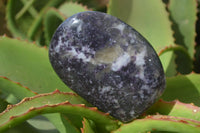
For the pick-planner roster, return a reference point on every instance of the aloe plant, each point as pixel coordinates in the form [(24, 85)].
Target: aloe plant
[(38, 101)]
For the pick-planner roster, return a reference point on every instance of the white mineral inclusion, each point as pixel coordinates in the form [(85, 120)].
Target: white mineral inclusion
[(78, 22), (140, 58), (124, 59), (140, 62), (80, 26), (105, 89), (120, 27), (57, 48), (80, 54), (121, 61)]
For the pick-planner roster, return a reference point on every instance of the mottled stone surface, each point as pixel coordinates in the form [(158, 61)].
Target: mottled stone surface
[(108, 63)]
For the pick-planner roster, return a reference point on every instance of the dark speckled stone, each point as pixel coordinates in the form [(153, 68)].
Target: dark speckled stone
[(108, 63)]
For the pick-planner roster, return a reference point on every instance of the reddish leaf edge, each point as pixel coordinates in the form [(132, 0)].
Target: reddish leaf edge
[(173, 48), (174, 119), (84, 125), (148, 124), (161, 104), (29, 42), (19, 84), (33, 111)]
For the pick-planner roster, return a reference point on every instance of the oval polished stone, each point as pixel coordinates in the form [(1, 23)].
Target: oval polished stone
[(108, 63)]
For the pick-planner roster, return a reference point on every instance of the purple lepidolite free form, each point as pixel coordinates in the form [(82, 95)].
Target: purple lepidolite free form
[(108, 63)]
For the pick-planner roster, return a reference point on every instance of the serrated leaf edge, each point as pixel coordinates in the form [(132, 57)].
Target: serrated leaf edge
[(151, 118), (84, 6), (18, 84), (46, 106), (24, 41), (173, 118), (191, 106), (196, 18)]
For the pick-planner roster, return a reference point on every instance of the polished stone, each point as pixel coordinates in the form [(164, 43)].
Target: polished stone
[(108, 63)]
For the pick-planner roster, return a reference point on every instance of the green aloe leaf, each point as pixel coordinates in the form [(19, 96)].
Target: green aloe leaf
[(24, 18), (37, 23), (174, 48), (21, 14), (185, 88), (183, 59), (29, 65), (56, 117), (19, 91), (151, 19), (71, 8), (10, 87), (75, 120), (183, 14), (51, 103), (161, 123), (20, 27), (52, 19), (86, 127), (27, 5), (175, 108), (61, 124)]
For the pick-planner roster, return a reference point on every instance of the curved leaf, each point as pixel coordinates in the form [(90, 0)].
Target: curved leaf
[(12, 8), (33, 12), (28, 70), (27, 5), (174, 48), (20, 91), (185, 88), (75, 120), (69, 127), (51, 103), (161, 123), (175, 108), (183, 14), (52, 19), (38, 20), (60, 123), (29, 65), (184, 61), (24, 18), (11, 87), (151, 19)]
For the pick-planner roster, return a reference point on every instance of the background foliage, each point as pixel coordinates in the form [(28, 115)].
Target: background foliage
[(34, 99)]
